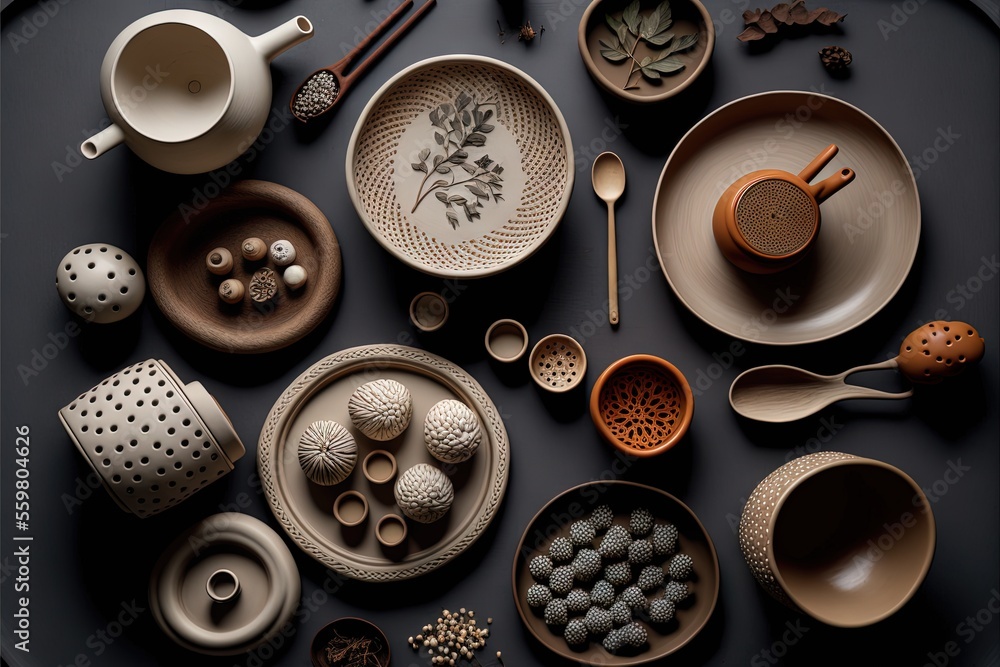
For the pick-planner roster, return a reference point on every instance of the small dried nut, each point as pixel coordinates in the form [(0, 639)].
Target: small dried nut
[(263, 285), (219, 261), (282, 252), (295, 276), (231, 291), (253, 249)]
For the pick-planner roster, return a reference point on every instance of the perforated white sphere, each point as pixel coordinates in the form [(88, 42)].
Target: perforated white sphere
[(327, 453), (451, 431), (381, 409), (424, 493), (100, 283)]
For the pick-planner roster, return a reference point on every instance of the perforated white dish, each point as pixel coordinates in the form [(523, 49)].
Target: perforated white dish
[(461, 166)]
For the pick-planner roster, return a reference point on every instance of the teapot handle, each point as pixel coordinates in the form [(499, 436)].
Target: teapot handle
[(818, 163), (828, 186)]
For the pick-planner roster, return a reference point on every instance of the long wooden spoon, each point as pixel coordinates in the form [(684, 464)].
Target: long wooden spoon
[(608, 176), (324, 88)]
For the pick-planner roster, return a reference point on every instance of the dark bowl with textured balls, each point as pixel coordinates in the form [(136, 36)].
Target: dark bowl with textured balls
[(554, 520)]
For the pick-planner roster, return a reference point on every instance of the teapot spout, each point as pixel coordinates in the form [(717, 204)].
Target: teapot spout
[(102, 142), (275, 42)]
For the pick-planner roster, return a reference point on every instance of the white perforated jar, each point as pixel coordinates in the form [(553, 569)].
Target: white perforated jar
[(153, 440)]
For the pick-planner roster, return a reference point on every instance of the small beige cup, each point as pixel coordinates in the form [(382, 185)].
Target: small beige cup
[(350, 508), (391, 531), (506, 340), (379, 467)]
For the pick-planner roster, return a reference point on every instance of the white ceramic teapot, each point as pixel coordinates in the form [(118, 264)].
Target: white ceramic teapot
[(188, 91)]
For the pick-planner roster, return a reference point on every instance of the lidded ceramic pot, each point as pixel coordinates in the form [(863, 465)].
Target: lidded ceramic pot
[(845, 539), (187, 91), (424, 493), (100, 282), (153, 440), (225, 586), (381, 409), (451, 431), (768, 220)]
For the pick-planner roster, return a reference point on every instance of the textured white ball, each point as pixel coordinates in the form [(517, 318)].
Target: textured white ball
[(451, 431), (327, 453), (100, 283), (381, 409), (424, 493), (282, 252), (295, 276)]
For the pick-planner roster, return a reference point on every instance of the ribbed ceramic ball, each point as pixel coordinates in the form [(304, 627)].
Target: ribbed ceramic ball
[(100, 283), (424, 493), (381, 409), (327, 453), (452, 432)]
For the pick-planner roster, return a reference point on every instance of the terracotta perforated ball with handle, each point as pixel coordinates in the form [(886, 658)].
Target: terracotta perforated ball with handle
[(938, 350)]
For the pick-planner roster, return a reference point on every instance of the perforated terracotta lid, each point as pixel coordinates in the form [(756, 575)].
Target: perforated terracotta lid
[(225, 585)]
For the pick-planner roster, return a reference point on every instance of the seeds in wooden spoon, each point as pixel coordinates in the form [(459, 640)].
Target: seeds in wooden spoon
[(317, 95)]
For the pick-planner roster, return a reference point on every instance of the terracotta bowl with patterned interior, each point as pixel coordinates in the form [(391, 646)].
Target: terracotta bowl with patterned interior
[(642, 405)]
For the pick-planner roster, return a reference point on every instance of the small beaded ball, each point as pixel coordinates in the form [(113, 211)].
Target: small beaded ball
[(327, 453), (540, 568), (681, 567), (253, 249), (219, 261), (231, 291), (282, 252), (452, 432), (602, 517), (295, 276), (539, 595), (263, 285), (424, 493), (381, 409), (100, 283)]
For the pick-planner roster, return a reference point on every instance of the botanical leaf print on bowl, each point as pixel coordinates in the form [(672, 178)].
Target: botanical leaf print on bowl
[(630, 28), (462, 184)]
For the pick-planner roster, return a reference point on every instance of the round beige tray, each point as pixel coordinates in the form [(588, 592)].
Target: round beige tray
[(304, 509), (866, 245)]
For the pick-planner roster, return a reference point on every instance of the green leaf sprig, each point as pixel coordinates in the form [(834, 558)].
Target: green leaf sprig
[(630, 28), (461, 125)]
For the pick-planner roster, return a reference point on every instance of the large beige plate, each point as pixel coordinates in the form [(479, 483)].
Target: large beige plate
[(461, 166), (304, 509), (869, 235)]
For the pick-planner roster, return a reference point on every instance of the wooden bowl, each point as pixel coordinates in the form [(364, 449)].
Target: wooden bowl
[(351, 628), (642, 405), (689, 17), (187, 293), (692, 614)]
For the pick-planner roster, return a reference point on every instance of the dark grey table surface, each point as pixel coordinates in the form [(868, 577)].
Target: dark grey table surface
[(922, 69)]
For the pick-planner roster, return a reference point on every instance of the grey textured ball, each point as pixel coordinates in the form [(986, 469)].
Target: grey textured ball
[(633, 598), (681, 567), (578, 601), (539, 595), (613, 641), (640, 522), (540, 568), (650, 578), (661, 610), (575, 632), (640, 552), (675, 591), (621, 613), (602, 594), (452, 432), (424, 493), (602, 517), (582, 533), (561, 580), (586, 564), (598, 621), (664, 539), (561, 550), (618, 574), (615, 543), (556, 612), (633, 635)]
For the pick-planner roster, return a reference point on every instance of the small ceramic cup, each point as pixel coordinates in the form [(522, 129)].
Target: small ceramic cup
[(558, 363), (223, 586), (350, 509), (379, 467), (506, 340), (390, 531), (845, 539), (153, 440), (428, 311)]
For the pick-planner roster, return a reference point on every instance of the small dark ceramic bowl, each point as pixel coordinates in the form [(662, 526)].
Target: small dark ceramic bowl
[(642, 405), (352, 628), (689, 16)]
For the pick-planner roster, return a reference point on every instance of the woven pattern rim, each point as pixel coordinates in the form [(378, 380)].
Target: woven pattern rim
[(301, 388), (491, 240)]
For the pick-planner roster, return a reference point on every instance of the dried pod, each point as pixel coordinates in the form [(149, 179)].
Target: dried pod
[(231, 291), (327, 453), (219, 261), (938, 350), (424, 493), (452, 432), (253, 249), (263, 285), (282, 252), (835, 58), (381, 409)]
